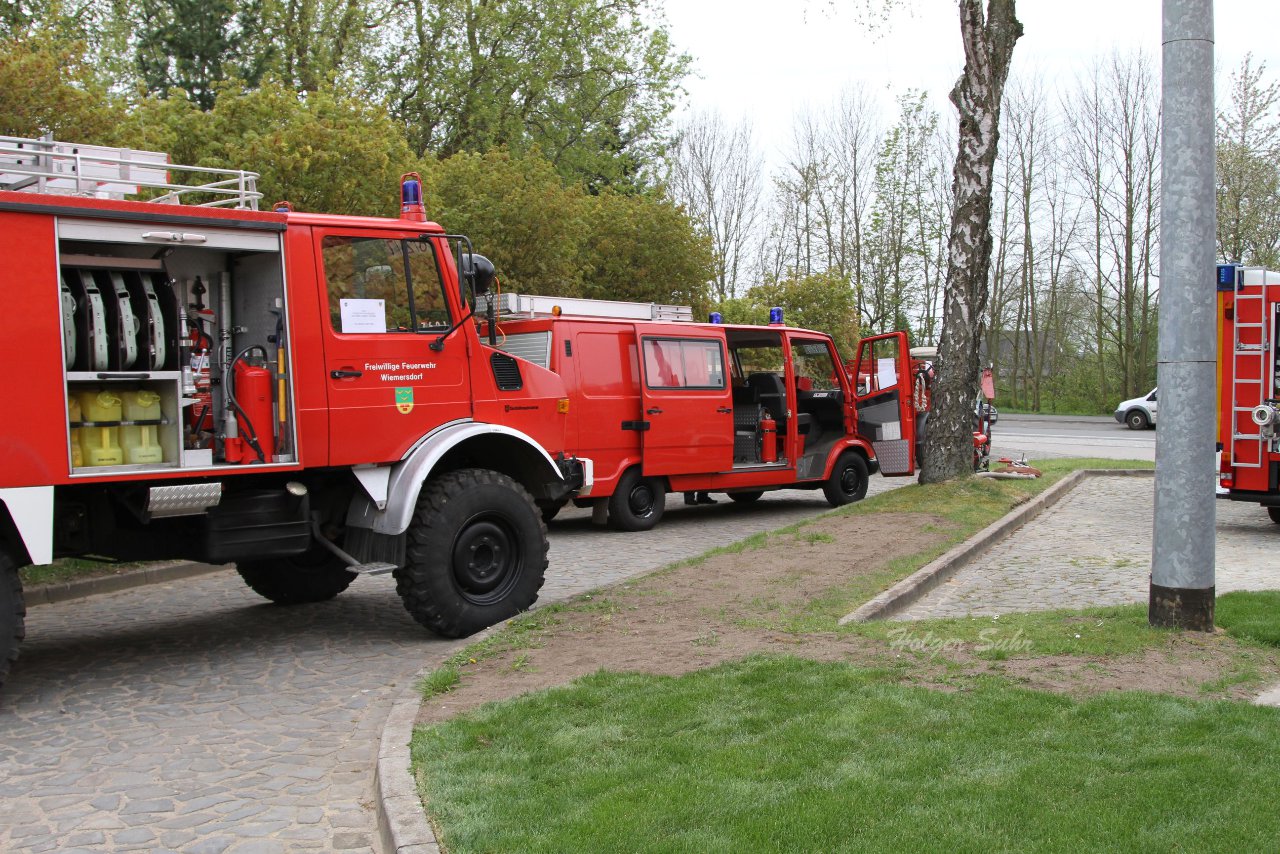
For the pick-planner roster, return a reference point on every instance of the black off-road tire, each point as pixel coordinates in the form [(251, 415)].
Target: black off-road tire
[(848, 481), (550, 509), (13, 612), (476, 553), (746, 497), (1274, 513), (1136, 419), (316, 575), (638, 501)]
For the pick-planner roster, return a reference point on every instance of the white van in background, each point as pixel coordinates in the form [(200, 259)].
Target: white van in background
[(1138, 413)]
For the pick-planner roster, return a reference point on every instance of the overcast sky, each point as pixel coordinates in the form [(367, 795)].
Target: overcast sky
[(764, 59)]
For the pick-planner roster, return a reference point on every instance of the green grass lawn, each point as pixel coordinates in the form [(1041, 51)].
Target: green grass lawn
[(1116, 630), (1252, 617), (786, 754)]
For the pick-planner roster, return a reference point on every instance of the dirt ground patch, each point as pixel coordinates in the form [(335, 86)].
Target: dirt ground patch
[(731, 605)]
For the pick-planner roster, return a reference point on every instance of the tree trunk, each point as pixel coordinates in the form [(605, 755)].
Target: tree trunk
[(988, 47)]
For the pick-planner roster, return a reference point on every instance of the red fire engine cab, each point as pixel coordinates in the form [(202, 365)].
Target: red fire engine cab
[(301, 394), (659, 403), (1249, 385)]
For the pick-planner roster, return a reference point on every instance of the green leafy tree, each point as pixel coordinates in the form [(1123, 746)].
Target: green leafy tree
[(18, 16), (897, 242), (46, 86), (323, 152), (822, 301), (314, 42), (643, 247), (591, 83), (518, 211), (192, 45), (1248, 168)]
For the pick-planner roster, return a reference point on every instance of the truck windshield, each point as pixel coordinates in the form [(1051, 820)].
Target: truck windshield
[(368, 280), (815, 369)]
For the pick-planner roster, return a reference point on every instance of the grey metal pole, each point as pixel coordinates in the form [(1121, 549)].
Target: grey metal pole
[(1182, 560)]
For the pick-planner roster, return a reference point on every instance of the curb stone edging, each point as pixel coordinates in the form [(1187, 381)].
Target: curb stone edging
[(401, 818), (79, 588), (402, 822), (403, 827), (910, 589)]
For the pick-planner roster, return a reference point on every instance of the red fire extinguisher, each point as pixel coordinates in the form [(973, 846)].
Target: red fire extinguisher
[(254, 410), (768, 438)]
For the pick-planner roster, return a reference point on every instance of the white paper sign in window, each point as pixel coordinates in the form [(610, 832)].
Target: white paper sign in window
[(886, 373), (364, 315)]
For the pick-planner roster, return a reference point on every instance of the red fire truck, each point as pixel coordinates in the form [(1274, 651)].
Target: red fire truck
[(1249, 385), (303, 395), (659, 403)]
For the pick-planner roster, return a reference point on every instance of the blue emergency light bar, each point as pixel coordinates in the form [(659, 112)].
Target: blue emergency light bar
[(1228, 275)]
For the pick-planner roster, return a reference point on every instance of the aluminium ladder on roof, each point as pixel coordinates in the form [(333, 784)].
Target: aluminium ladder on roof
[(47, 166), (512, 305), (1252, 379)]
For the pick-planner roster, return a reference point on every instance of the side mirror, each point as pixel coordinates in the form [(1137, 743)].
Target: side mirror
[(478, 271)]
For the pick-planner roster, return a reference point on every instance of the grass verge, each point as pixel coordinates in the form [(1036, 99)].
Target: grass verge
[(69, 569), (965, 507), (1118, 630), (1250, 617), (787, 754)]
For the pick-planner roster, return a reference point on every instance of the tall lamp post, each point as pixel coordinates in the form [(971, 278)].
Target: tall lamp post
[(1182, 560)]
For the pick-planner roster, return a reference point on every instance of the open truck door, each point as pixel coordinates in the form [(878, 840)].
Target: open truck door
[(687, 402), (886, 409)]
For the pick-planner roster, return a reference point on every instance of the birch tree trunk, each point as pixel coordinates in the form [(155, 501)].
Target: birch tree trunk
[(988, 47)]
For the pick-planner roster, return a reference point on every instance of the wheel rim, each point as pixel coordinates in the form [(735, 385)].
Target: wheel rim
[(486, 559), (849, 480), (640, 500)]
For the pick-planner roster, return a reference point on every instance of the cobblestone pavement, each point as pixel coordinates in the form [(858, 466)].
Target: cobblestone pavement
[(1094, 548), (195, 717)]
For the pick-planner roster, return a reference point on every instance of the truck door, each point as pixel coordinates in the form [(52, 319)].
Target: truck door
[(886, 412), (387, 304), (687, 403)]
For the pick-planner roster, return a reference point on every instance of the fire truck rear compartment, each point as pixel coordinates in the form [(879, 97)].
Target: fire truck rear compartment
[(159, 325)]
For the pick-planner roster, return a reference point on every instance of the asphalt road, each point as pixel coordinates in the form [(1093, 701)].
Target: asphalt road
[(1048, 436)]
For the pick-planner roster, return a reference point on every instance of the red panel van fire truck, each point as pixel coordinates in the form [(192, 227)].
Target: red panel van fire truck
[(1249, 385), (657, 402), (300, 394)]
